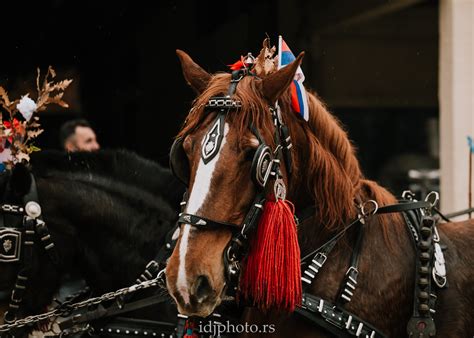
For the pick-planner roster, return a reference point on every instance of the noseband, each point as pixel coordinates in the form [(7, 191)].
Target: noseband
[(265, 165)]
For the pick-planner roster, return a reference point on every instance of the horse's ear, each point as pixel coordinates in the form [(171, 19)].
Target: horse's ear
[(20, 179), (276, 83), (194, 75)]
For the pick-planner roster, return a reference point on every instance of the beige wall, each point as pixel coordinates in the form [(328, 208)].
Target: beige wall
[(456, 99)]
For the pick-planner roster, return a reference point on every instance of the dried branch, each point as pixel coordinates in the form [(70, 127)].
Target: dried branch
[(20, 133)]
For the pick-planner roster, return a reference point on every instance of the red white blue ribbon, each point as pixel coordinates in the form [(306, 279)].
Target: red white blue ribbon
[(299, 98)]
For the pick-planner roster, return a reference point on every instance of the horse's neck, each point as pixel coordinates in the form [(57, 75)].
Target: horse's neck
[(113, 237)]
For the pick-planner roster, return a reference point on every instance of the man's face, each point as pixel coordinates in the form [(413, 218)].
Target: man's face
[(84, 139)]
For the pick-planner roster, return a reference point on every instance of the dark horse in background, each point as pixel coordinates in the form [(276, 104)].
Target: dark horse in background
[(327, 176), (107, 212)]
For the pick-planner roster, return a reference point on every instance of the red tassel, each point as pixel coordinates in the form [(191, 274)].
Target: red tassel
[(272, 275)]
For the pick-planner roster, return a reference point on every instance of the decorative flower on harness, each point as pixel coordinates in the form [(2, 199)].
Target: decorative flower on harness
[(26, 107), (19, 125)]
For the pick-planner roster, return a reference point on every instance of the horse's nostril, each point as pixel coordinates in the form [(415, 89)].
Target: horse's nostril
[(202, 287)]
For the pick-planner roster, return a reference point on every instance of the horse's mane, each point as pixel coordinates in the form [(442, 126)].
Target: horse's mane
[(115, 194), (118, 165), (331, 175)]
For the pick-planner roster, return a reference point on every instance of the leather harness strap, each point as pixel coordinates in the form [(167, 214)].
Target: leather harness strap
[(205, 223), (334, 319), (404, 206), (114, 310), (342, 323), (349, 284), (33, 227)]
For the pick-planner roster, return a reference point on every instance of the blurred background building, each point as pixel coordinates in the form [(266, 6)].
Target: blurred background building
[(390, 70)]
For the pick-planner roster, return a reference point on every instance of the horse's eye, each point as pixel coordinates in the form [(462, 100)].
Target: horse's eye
[(249, 154)]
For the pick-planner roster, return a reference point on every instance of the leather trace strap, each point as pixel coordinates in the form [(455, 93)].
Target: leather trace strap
[(309, 274), (334, 319), (132, 327), (350, 280), (115, 309), (404, 206)]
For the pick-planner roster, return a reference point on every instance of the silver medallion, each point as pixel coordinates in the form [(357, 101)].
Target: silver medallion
[(279, 189), (7, 245)]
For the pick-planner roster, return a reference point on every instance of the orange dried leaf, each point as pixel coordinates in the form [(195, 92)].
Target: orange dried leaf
[(4, 96), (34, 133), (62, 85)]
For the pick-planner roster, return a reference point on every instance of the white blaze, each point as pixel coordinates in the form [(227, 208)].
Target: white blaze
[(199, 191)]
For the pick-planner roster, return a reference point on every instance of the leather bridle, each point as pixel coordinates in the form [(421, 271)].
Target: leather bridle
[(265, 166)]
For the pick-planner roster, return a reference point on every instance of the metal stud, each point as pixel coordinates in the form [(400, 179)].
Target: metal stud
[(423, 282), (425, 256), (33, 209), (424, 308)]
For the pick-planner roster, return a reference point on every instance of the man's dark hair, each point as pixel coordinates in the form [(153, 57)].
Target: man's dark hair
[(69, 128)]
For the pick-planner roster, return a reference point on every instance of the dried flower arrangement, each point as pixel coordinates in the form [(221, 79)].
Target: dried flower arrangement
[(19, 123)]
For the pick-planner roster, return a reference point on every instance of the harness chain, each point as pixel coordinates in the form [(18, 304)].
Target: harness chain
[(68, 308)]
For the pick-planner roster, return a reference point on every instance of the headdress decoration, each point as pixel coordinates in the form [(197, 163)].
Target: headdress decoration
[(19, 122), (265, 63), (299, 98)]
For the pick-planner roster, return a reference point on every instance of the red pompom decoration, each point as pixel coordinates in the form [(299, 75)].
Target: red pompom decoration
[(237, 65)]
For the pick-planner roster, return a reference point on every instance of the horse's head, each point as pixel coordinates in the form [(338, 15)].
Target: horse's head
[(224, 153)]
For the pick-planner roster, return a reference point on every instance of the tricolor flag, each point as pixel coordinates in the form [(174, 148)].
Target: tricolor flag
[(299, 99)]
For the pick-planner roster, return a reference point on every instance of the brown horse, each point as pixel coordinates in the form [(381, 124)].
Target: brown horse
[(326, 174)]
